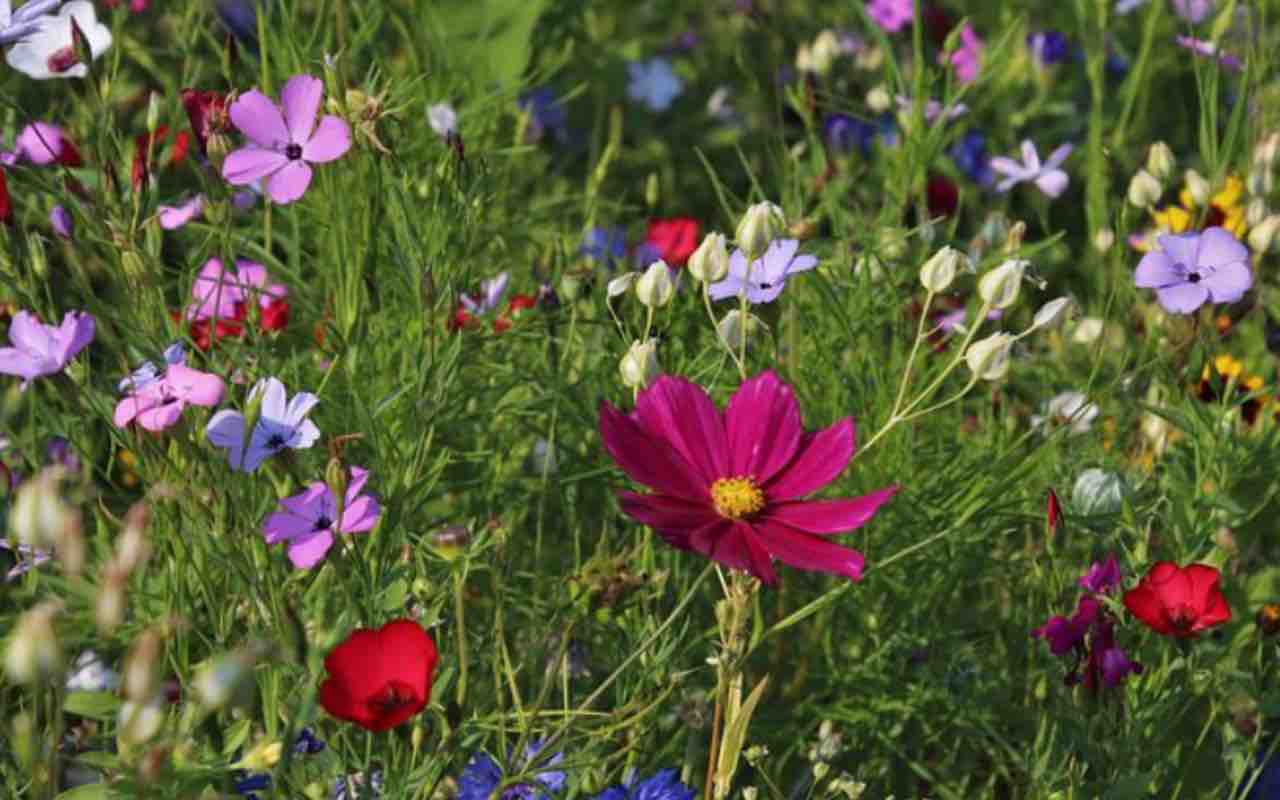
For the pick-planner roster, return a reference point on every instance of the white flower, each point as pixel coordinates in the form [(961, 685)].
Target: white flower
[(49, 52), (90, 674), (1068, 408), (442, 118), (655, 288), (640, 365), (1160, 161)]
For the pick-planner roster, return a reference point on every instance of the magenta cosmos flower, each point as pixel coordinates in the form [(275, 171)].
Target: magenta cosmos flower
[(284, 140), (159, 403), (309, 520), (730, 485)]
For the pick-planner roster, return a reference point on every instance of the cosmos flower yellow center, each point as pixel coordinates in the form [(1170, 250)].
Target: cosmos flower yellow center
[(736, 498)]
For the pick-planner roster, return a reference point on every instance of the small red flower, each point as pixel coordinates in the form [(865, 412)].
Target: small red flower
[(274, 315), (380, 678), (675, 239), (6, 206), (942, 197), (207, 112), (1179, 601), (1053, 511)]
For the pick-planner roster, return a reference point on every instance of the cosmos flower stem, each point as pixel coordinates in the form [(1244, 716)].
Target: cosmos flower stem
[(548, 744)]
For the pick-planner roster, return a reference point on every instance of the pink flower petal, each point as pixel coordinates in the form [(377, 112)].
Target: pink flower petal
[(803, 551), (735, 545), (248, 164), (360, 516), (651, 461), (331, 139), (679, 411), (1053, 183), (132, 406), (300, 100), (73, 335), (820, 457), (257, 117), (762, 421), (193, 386), (830, 516), (663, 513), (281, 526), (161, 416), (305, 553), (289, 183)]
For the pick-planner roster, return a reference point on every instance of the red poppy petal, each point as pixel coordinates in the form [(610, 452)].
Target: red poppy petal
[(354, 664), (763, 425), (1202, 585), (679, 411), (405, 654), (647, 459), (1144, 604), (335, 699), (804, 551), (820, 457)]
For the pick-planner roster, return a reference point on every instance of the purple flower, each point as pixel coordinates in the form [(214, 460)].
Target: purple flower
[(220, 293), (60, 221), (489, 296), (663, 785), (1048, 177), (970, 155), (282, 424), (891, 15), (1048, 47), (160, 403), (1210, 50), (653, 83), (1191, 269), (285, 139), (967, 58), (1064, 634), (25, 21), (933, 109), (148, 373), (26, 558), (174, 217), (768, 274), (1115, 665), (1193, 11), (40, 349), (546, 112), (1101, 577), (606, 245), (309, 520)]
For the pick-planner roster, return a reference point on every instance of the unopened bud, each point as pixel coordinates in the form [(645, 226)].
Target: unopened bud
[(140, 720), (36, 257), (999, 287), (1052, 313), (33, 653), (39, 514), (1144, 189), (450, 542), (759, 226), (153, 112), (825, 51), (132, 548), (940, 270), (734, 332), (1264, 234), (640, 365), (1104, 239), (710, 262), (1198, 187), (262, 757), (621, 284), (879, 100), (1013, 239), (1160, 161), (655, 288), (142, 665), (1255, 212), (223, 677), (109, 605), (1266, 151), (651, 188), (989, 357)]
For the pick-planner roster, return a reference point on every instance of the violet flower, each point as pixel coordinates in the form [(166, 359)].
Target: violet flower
[(15, 25), (147, 372), (768, 274), (1191, 269), (61, 222), (891, 15), (1193, 11), (42, 144), (40, 349), (310, 519), (489, 296), (285, 139), (653, 83), (174, 217), (1048, 177), (1102, 576), (26, 557), (160, 403), (967, 58), (1210, 50), (282, 424)]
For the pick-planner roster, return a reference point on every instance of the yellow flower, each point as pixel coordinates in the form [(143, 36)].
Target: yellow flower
[(262, 757), (1173, 219)]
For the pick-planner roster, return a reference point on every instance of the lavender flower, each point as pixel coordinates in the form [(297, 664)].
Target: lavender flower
[(310, 519), (40, 349), (1191, 269), (653, 83), (489, 296), (282, 425), (1047, 177), (768, 274), (15, 25)]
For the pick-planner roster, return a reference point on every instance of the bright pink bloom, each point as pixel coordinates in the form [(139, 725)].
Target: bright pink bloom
[(309, 520), (42, 144), (160, 403), (284, 139), (729, 485), (967, 58), (174, 217), (222, 293), (891, 15)]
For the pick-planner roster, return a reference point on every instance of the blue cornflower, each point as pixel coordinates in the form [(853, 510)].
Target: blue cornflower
[(546, 113), (1265, 774), (605, 245), (483, 775), (307, 743), (653, 83), (843, 133), (249, 786), (1048, 47), (664, 785), (356, 787), (970, 155)]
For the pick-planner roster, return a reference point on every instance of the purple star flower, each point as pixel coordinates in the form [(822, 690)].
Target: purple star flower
[(309, 520), (489, 297), (40, 349), (28, 19), (285, 139), (769, 273), (1047, 177), (1191, 269), (1101, 577), (282, 425), (26, 558)]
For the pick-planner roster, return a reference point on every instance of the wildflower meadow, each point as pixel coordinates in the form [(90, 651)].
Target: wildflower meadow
[(640, 399)]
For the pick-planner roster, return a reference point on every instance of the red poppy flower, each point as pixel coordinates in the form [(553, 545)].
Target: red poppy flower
[(380, 678), (1179, 601), (675, 239)]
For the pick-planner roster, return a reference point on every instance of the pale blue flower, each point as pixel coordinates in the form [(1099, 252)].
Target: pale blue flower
[(282, 425), (654, 83)]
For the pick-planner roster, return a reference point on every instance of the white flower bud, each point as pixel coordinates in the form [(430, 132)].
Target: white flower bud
[(869, 265), (655, 287), (710, 262), (220, 678), (878, 99), (640, 365), (1097, 492), (1266, 151), (142, 665), (989, 357), (940, 270), (1104, 239), (1160, 161), (1087, 331), (732, 329), (1255, 212), (759, 226), (1144, 189), (1199, 187), (1000, 286), (804, 59), (825, 51), (33, 652), (1263, 234), (39, 515), (1052, 313), (621, 284), (138, 721)]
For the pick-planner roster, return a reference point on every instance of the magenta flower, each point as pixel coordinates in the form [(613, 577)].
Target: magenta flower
[(967, 58), (309, 520), (40, 349), (730, 485), (159, 403), (1101, 577), (891, 15), (1210, 50), (222, 293), (1191, 269), (285, 139), (174, 217), (42, 144)]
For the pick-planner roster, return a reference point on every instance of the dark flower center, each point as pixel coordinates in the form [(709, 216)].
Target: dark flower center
[(1193, 276), (62, 60), (293, 152), (323, 523), (1182, 618), (276, 441), (392, 697), (766, 286)]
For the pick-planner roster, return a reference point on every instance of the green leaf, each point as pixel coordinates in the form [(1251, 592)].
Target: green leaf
[(90, 791), (489, 38), (94, 705)]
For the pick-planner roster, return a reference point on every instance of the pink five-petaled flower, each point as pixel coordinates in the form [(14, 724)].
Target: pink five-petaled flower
[(159, 403), (285, 139), (967, 58), (891, 15), (40, 349), (1048, 177), (730, 485), (310, 519)]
